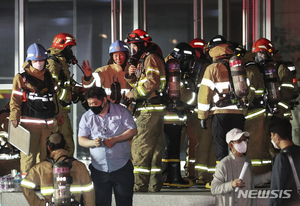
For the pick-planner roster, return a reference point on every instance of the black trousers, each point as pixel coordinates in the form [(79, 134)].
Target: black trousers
[(172, 134), (221, 124), (121, 181)]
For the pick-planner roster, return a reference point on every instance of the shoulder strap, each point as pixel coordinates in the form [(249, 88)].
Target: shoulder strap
[(296, 178)]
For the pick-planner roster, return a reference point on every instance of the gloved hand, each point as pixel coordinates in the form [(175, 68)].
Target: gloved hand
[(86, 68), (203, 123), (125, 101)]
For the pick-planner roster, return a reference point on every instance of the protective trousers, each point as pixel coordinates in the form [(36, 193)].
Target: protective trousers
[(203, 147), (146, 150), (67, 131), (258, 145), (38, 136), (221, 124)]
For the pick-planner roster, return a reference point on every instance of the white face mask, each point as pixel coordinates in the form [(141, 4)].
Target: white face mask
[(39, 65), (274, 145), (241, 147)]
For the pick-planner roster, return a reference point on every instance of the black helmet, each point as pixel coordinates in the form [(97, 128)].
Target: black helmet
[(185, 54), (217, 40), (183, 51), (237, 49)]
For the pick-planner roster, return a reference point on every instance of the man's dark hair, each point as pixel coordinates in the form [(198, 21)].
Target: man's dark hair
[(282, 127), (95, 92), (55, 141)]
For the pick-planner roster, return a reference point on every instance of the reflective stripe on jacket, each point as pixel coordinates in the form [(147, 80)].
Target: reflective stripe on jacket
[(41, 175), (149, 80), (19, 95), (105, 77), (63, 87), (216, 78)]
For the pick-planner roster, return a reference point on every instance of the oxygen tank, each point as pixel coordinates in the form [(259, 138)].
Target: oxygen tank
[(238, 74), (62, 183), (173, 74), (272, 85)]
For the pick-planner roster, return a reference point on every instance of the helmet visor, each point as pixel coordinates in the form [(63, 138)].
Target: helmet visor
[(260, 57), (133, 49)]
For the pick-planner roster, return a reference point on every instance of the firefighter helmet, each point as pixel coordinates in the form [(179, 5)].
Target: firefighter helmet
[(198, 44), (118, 46), (183, 51), (215, 41), (62, 40), (36, 52), (138, 41), (138, 35), (237, 49), (264, 44)]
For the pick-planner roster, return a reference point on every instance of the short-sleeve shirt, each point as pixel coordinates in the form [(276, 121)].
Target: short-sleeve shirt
[(115, 122)]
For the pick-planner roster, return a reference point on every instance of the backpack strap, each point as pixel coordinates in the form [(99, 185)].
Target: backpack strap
[(296, 178)]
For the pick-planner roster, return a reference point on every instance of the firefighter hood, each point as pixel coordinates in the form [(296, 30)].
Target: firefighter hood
[(219, 51)]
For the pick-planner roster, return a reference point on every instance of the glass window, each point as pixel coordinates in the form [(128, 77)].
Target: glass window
[(7, 49), (170, 23)]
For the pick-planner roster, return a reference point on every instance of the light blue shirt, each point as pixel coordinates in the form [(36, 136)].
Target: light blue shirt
[(115, 122)]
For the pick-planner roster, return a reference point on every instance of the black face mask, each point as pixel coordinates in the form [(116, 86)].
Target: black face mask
[(97, 110)]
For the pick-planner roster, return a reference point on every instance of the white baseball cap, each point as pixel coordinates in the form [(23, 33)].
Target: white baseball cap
[(235, 134)]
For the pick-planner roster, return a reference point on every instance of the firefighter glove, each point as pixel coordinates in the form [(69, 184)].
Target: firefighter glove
[(203, 123), (125, 102)]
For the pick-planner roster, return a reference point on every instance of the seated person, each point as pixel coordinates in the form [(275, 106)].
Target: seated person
[(42, 175), (226, 177)]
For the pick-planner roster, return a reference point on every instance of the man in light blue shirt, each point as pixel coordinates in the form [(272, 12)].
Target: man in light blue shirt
[(106, 129)]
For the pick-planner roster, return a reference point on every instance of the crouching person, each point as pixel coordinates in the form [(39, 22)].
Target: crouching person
[(226, 178), (80, 185)]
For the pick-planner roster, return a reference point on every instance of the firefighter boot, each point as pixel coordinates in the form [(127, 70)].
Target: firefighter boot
[(174, 178)]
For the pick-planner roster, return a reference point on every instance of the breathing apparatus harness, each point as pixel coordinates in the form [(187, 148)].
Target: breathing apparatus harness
[(231, 97), (62, 182)]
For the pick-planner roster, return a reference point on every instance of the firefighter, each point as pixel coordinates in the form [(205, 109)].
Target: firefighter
[(264, 52), (147, 77), (278, 81), (214, 91), (181, 95), (42, 175), (258, 144), (61, 56), (33, 105), (111, 76), (200, 155)]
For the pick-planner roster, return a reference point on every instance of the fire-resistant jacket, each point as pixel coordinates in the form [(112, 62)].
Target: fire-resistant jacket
[(105, 76), (150, 79), (256, 85), (19, 96), (42, 175), (286, 90), (216, 78), (61, 74)]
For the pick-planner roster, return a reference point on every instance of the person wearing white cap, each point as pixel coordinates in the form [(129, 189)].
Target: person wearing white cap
[(226, 177)]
